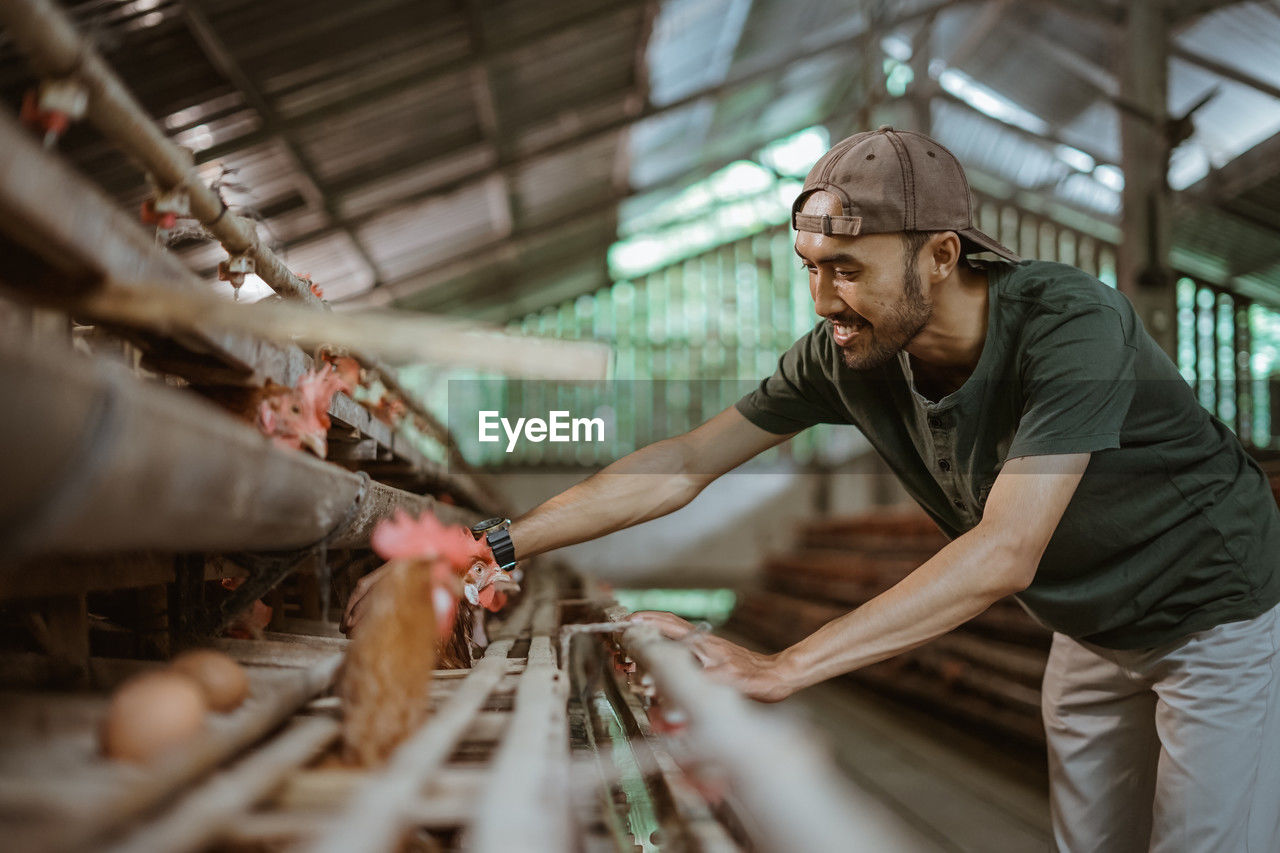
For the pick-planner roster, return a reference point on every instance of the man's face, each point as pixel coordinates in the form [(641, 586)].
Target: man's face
[(867, 287)]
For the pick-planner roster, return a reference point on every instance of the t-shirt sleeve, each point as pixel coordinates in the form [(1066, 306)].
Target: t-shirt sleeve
[(799, 393), (1077, 375)]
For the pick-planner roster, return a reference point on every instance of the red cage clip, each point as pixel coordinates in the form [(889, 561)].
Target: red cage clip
[(235, 268), (164, 208), (52, 107)]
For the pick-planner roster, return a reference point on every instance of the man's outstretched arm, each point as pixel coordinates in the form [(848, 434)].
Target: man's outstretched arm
[(995, 559), (646, 484)]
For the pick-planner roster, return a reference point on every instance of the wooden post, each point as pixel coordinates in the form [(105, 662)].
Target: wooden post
[(1143, 264), (920, 94), (67, 637)]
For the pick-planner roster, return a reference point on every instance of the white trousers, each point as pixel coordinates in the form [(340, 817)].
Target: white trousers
[(1174, 749)]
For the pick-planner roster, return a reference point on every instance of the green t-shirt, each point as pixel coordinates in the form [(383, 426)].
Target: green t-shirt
[(1172, 529)]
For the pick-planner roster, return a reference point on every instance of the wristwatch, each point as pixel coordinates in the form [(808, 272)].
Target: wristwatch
[(495, 533)]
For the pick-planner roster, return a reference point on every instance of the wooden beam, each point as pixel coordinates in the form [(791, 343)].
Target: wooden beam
[(1144, 274), (48, 577), (1180, 12), (1102, 80), (918, 96), (450, 268), (406, 337), (1222, 188), (1222, 69), (209, 812), (1047, 139), (275, 695), (502, 208), (111, 464), (44, 33), (977, 35), (66, 623), (787, 783), (70, 226), (534, 754), (1099, 11)]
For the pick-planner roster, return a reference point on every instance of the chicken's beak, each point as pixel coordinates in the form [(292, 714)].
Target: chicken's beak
[(315, 443)]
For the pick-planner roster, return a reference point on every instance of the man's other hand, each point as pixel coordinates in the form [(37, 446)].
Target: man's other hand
[(757, 676), (356, 603)]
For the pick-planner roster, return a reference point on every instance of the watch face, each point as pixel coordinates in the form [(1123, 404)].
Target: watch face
[(487, 524)]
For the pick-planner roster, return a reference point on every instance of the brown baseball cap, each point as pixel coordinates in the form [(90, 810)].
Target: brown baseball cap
[(893, 180)]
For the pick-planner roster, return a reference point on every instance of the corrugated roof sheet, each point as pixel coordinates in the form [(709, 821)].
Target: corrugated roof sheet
[(455, 143)]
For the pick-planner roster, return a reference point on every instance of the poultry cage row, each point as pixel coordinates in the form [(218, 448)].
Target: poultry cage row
[(142, 516)]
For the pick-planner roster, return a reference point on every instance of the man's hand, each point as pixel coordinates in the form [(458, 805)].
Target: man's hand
[(757, 676), (356, 603)]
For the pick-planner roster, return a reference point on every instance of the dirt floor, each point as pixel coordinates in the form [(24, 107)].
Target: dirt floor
[(962, 792)]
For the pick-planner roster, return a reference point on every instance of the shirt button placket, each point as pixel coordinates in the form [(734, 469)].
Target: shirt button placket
[(944, 452)]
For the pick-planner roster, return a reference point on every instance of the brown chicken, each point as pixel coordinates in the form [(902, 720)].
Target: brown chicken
[(386, 681), (291, 417), (345, 367), (414, 624), (249, 624)]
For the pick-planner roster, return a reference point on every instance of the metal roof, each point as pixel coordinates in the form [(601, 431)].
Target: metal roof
[(468, 154)]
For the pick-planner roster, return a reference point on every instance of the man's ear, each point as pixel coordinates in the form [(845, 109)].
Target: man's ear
[(944, 252)]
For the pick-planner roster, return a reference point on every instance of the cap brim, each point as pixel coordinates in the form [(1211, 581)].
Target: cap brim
[(982, 243)]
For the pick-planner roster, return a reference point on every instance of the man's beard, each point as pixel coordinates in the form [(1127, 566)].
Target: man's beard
[(876, 345)]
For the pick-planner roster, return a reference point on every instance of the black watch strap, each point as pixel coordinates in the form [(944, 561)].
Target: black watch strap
[(504, 550)]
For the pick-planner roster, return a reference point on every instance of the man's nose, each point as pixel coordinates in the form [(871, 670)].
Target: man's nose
[(825, 300)]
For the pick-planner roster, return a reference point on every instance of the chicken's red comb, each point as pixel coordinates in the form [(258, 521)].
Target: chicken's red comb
[(403, 537)]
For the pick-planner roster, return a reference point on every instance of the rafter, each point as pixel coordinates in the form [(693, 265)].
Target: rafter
[(1250, 169), (501, 199), (1102, 80), (536, 41), (1098, 11), (991, 14), (478, 175), (1221, 189), (1181, 11), (1220, 68), (1051, 137), (466, 263), (220, 57)]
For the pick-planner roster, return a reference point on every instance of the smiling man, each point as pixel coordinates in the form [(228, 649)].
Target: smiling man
[(1025, 408)]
